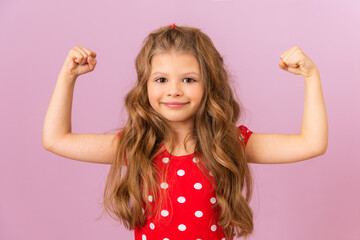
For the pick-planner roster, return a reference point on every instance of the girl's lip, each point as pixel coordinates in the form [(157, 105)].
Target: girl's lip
[(174, 103)]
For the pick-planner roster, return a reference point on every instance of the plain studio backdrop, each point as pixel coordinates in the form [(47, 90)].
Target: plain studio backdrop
[(45, 196)]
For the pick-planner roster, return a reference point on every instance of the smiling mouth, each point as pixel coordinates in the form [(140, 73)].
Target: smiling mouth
[(175, 105)]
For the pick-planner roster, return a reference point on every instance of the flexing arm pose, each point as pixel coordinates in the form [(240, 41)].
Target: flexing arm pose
[(57, 135), (313, 138), (261, 148)]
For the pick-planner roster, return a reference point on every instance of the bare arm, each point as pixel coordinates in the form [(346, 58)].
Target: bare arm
[(313, 138), (286, 148), (92, 148), (314, 127), (57, 122), (57, 136)]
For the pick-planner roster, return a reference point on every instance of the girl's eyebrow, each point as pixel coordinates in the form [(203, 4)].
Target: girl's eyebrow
[(161, 73)]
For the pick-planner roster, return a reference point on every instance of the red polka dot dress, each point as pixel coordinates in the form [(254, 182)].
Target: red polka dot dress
[(187, 213)]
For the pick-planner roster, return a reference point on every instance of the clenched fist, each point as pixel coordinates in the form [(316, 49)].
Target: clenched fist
[(295, 61), (80, 60)]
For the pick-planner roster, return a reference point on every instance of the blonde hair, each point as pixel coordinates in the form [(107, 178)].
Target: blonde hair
[(215, 133)]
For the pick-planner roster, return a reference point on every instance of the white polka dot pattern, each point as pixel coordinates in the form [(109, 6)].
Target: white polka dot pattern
[(182, 227), (164, 213), (164, 185), (195, 160), (181, 172), (188, 210), (213, 228), (181, 199), (152, 226), (198, 214)]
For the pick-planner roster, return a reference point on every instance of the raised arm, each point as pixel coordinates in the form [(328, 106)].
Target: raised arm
[(57, 136), (313, 139), (57, 122)]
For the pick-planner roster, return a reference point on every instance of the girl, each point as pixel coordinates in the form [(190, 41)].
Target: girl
[(185, 157)]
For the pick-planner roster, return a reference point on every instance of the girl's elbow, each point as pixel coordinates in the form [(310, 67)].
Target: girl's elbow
[(321, 146), (322, 149), (318, 150)]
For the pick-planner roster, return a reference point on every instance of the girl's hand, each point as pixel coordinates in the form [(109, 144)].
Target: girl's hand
[(80, 60), (295, 61)]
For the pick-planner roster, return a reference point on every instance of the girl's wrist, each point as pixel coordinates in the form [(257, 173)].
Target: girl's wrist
[(67, 77), (313, 74)]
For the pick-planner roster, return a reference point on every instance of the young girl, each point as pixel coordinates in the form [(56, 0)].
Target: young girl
[(185, 156)]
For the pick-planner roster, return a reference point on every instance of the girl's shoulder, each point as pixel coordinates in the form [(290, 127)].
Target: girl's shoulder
[(245, 132)]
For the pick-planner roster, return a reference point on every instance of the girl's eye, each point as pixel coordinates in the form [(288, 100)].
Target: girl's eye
[(191, 80), (158, 79)]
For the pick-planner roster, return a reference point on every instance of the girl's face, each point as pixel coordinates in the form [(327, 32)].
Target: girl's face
[(174, 87)]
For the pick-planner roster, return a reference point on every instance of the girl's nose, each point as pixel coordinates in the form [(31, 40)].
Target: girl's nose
[(174, 89)]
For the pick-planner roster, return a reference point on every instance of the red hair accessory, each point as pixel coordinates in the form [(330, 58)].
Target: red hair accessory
[(173, 26)]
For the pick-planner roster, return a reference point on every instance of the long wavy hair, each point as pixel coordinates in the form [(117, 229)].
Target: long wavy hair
[(215, 134)]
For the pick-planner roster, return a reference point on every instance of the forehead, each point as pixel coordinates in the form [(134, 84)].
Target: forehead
[(174, 62)]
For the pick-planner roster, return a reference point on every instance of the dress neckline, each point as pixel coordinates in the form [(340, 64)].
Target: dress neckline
[(179, 156)]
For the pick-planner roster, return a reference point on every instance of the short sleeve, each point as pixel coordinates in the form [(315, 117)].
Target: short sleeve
[(119, 133), (245, 132)]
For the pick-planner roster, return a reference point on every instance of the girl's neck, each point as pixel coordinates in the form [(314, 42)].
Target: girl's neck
[(181, 130), (180, 149)]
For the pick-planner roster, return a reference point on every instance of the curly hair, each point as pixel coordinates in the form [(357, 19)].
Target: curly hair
[(214, 132)]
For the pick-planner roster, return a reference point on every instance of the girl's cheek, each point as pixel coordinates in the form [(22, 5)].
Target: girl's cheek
[(196, 92), (155, 94)]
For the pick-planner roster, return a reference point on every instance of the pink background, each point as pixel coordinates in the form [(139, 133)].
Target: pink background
[(45, 196)]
